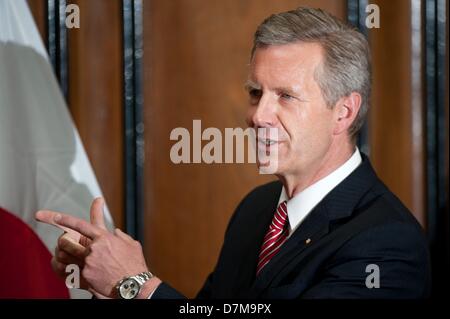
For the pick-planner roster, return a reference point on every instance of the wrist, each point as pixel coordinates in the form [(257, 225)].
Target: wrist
[(148, 287)]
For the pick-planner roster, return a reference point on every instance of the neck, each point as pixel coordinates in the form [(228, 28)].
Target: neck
[(335, 157)]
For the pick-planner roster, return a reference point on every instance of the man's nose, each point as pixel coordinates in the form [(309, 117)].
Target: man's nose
[(265, 113)]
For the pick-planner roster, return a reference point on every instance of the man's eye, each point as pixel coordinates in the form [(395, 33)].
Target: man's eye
[(254, 93), (286, 96)]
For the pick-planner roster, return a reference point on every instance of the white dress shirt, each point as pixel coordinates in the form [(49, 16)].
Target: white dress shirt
[(302, 204)]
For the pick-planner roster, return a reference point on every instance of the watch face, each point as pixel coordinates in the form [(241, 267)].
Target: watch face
[(129, 289)]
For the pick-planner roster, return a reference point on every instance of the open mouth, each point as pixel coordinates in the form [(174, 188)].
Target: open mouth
[(266, 142)]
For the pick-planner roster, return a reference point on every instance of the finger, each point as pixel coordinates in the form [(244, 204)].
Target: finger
[(71, 247), (67, 259), (47, 216), (58, 268), (97, 294), (123, 235), (84, 241), (79, 225), (97, 217)]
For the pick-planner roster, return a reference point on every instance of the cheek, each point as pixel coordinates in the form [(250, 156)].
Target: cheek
[(300, 121), (321, 130), (309, 128)]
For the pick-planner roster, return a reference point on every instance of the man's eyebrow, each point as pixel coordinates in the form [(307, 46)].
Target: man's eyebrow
[(296, 93), (250, 85), (286, 89)]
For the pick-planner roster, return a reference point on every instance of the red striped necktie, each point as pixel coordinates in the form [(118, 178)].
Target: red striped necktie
[(275, 236)]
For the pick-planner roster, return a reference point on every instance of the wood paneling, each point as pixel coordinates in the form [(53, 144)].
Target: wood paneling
[(396, 132), (96, 94), (195, 64), (96, 90)]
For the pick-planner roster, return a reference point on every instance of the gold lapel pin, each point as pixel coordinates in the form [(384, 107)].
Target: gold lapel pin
[(307, 241)]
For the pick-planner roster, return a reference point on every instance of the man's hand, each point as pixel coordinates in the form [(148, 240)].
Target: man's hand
[(108, 257), (68, 252), (71, 245)]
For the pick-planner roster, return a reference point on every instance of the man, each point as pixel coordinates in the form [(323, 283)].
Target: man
[(328, 229)]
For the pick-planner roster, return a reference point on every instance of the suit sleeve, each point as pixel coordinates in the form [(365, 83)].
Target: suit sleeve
[(164, 291), (398, 250)]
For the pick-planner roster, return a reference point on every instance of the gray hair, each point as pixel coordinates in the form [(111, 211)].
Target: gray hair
[(346, 67)]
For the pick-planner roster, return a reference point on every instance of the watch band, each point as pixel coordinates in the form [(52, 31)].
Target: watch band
[(143, 277)]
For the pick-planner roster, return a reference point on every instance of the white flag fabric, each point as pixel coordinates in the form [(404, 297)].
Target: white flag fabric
[(43, 164)]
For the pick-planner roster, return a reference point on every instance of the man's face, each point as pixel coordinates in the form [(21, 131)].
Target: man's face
[(285, 95)]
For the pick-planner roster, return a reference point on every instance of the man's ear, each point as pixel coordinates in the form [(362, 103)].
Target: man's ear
[(345, 112)]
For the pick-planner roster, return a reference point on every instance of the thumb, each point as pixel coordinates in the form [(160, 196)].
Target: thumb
[(97, 217)]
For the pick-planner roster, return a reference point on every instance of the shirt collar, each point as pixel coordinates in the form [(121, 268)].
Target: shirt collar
[(302, 203)]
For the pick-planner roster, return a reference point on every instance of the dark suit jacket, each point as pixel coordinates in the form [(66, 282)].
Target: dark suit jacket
[(359, 223)]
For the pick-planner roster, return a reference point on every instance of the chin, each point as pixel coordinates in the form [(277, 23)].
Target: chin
[(270, 167)]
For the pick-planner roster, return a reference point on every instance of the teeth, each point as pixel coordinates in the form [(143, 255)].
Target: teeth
[(269, 142)]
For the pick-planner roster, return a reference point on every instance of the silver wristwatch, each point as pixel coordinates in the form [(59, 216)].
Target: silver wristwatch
[(129, 287)]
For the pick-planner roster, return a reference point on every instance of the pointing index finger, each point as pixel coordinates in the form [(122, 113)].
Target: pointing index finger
[(47, 216), (69, 223)]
